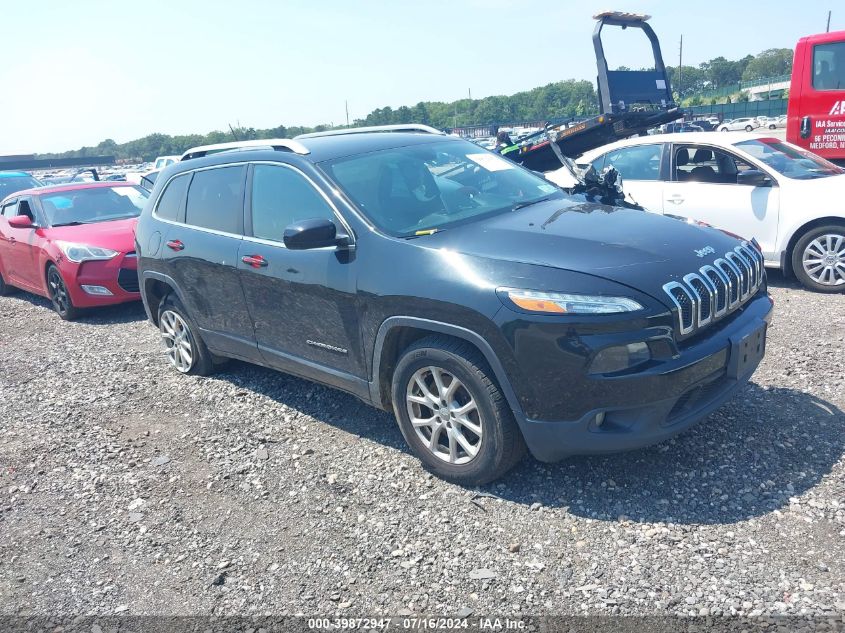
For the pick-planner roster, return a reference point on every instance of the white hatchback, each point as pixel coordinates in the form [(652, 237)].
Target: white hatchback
[(788, 199)]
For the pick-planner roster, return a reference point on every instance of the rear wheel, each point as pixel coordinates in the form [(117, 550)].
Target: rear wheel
[(818, 259), (748, 128), (452, 414), (62, 303), (181, 340)]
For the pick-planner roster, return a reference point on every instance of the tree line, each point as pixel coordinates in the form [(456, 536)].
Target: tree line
[(558, 100)]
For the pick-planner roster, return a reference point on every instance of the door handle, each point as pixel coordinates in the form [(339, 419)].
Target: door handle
[(256, 261), (676, 199), (175, 245)]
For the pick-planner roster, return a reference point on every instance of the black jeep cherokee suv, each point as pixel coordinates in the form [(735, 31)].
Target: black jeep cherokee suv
[(484, 306)]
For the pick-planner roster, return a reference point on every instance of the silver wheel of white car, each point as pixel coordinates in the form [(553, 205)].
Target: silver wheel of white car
[(818, 258), (824, 259)]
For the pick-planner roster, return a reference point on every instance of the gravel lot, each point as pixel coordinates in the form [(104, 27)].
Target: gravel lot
[(127, 488)]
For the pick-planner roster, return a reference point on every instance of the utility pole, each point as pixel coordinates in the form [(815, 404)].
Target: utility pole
[(827, 30), (346, 103), (680, 66), (469, 92)]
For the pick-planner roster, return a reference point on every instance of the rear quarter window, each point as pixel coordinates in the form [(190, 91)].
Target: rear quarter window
[(171, 200)]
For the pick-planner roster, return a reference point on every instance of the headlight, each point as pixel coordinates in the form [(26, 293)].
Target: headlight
[(81, 252), (561, 303)]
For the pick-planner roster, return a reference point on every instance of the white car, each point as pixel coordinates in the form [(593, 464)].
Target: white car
[(163, 161), (744, 123), (788, 199)]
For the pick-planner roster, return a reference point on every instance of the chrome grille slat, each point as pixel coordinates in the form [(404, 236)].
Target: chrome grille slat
[(716, 289), (740, 266), (751, 263), (704, 295), (720, 284), (733, 275), (684, 300)]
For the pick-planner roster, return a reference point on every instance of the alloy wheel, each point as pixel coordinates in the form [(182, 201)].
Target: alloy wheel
[(58, 291), (176, 341), (444, 415), (824, 259)]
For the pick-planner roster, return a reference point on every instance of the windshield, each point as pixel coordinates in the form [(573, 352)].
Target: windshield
[(86, 206), (10, 184), (418, 189), (789, 160)]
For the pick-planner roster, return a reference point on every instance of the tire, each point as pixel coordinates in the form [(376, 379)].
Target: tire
[(723, 129), (772, 127), (748, 128), (489, 430), (59, 296), (181, 341), (825, 245), (5, 289)]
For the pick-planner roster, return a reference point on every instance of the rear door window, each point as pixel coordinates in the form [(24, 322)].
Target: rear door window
[(215, 199)]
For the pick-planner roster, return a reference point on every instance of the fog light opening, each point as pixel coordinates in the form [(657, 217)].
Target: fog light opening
[(97, 290)]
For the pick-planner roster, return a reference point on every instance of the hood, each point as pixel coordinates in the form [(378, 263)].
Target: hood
[(635, 248), (118, 235), (832, 185)]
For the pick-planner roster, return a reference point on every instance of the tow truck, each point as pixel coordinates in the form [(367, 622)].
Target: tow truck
[(630, 103)]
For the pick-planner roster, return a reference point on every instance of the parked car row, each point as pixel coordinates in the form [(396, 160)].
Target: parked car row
[(489, 310), (710, 124)]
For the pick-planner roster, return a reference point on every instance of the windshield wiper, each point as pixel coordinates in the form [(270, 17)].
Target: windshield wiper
[(74, 223), (522, 205)]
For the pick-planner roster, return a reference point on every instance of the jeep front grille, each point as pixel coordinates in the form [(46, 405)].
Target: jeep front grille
[(715, 290)]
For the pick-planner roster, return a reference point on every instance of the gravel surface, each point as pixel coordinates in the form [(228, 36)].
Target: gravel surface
[(127, 488)]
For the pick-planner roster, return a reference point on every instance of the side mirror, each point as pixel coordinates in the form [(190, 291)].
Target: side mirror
[(21, 222), (313, 233), (805, 127), (753, 178)]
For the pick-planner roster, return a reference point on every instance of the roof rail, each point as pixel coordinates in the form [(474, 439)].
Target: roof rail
[(278, 144), (398, 127)]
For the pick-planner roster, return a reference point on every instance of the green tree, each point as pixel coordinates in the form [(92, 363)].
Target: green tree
[(770, 63)]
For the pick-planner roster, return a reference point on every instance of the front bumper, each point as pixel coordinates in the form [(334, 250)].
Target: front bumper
[(118, 275), (643, 409)]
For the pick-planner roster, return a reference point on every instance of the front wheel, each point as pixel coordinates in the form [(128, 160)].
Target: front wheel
[(181, 340), (818, 259), (5, 289), (452, 413), (748, 128), (723, 129), (62, 303)]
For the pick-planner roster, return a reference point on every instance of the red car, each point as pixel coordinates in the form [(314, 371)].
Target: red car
[(72, 243)]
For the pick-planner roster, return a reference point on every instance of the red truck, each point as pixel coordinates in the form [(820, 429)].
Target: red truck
[(816, 111)]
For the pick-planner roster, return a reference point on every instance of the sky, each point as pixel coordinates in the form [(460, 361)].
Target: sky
[(76, 73)]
